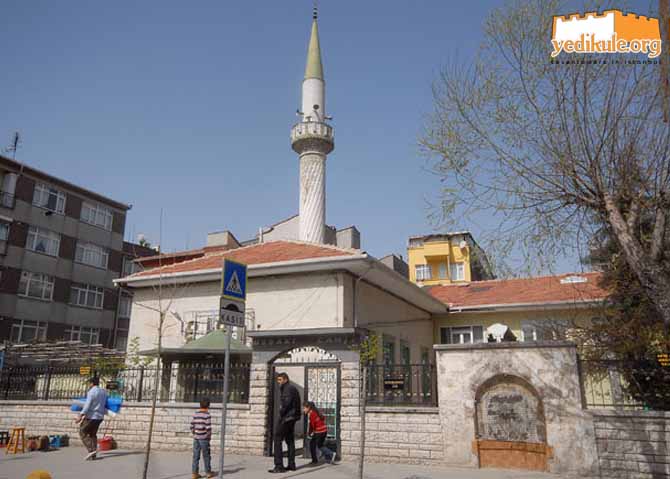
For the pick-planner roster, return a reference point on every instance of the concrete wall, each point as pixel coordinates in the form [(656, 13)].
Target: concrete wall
[(550, 368), (633, 444)]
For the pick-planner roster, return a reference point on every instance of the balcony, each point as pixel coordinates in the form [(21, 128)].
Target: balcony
[(303, 135)]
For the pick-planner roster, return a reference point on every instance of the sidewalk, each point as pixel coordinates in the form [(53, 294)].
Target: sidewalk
[(68, 463)]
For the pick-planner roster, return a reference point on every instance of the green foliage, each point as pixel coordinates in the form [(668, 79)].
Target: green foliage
[(368, 349), (133, 356)]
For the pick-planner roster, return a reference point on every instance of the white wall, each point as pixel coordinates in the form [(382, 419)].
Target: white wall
[(280, 302), (390, 316)]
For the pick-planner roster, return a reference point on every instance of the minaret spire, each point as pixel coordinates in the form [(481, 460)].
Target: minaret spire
[(312, 139)]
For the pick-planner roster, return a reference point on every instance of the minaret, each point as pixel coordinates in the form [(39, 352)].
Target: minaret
[(312, 139)]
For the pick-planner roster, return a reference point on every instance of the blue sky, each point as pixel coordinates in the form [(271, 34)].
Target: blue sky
[(187, 106)]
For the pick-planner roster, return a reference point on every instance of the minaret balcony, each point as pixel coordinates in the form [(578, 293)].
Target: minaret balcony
[(312, 135)]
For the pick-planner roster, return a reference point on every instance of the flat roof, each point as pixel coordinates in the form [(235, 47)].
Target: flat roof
[(29, 170)]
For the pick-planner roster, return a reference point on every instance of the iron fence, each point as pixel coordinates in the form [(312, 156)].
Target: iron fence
[(173, 383), (402, 385), (625, 384)]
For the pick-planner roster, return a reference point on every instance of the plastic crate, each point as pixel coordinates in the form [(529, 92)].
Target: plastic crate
[(55, 441)]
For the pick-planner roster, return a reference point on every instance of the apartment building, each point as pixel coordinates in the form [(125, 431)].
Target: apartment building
[(439, 259), (61, 247)]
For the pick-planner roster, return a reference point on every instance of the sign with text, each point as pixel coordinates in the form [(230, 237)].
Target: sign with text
[(231, 313)]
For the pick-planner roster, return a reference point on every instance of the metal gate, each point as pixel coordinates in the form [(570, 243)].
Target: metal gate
[(317, 373), (322, 387)]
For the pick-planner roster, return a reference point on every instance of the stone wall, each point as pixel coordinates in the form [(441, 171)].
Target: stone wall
[(129, 428), (550, 369), (404, 435), (633, 444)]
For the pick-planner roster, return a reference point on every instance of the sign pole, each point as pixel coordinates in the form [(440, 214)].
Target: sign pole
[(224, 408)]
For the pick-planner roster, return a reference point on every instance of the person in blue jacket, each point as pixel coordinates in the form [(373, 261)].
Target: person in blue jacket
[(91, 417)]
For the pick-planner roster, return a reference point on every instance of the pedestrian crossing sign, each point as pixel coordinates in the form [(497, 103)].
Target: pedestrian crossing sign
[(234, 280)]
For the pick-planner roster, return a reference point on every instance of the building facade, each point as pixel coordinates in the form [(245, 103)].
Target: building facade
[(446, 258), (61, 247)]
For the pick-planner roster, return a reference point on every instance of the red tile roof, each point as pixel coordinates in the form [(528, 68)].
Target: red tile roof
[(540, 290), (270, 252)]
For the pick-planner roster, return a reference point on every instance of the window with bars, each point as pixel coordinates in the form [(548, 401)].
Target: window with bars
[(48, 197), (36, 285), (83, 334), (91, 254), (87, 295), (423, 272), (462, 335), (24, 331), (457, 271), (97, 215), (42, 240)]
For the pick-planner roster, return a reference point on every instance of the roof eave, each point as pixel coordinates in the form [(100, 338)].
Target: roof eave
[(485, 308)]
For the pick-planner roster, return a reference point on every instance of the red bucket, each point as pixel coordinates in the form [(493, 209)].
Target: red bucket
[(106, 443)]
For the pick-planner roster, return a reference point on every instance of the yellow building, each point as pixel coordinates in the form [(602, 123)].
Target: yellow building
[(440, 259)]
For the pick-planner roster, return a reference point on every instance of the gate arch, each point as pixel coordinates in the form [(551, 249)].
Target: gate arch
[(510, 424), (317, 375)]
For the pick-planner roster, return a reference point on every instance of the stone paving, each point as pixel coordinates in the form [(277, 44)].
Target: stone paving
[(68, 463)]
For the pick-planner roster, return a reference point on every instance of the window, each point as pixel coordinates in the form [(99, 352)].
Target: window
[(422, 272), (43, 241), (121, 340), (125, 306), (49, 197), (83, 334), (457, 271), (4, 236), (87, 295), (26, 331), (405, 354), (389, 351), (462, 335), (91, 254), (97, 215), (36, 285), (543, 330), (442, 271), (129, 267)]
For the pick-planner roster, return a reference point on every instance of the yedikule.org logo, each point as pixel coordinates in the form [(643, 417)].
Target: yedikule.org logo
[(609, 32)]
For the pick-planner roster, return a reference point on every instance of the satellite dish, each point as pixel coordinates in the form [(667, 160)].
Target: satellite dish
[(463, 244)]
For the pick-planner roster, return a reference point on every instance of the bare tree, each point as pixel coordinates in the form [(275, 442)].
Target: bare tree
[(164, 293), (554, 149)]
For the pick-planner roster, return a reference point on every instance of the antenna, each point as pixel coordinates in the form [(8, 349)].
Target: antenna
[(14, 146)]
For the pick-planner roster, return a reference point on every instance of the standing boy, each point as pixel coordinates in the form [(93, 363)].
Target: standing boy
[(201, 428), (91, 416)]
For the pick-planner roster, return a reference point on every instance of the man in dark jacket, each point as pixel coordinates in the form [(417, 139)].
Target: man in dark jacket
[(289, 413)]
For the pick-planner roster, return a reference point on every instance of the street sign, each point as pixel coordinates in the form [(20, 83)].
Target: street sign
[(85, 370), (234, 280), (231, 313)]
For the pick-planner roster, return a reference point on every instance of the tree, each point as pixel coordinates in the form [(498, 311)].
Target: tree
[(628, 335), (368, 349), (555, 150)]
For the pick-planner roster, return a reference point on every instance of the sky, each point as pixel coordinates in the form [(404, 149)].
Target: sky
[(186, 107)]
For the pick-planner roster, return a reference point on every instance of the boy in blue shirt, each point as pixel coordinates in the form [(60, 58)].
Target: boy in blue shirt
[(91, 416)]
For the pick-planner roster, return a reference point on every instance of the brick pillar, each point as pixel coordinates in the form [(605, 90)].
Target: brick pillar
[(350, 418), (259, 404)]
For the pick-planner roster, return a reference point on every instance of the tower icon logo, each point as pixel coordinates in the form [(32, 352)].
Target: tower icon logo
[(609, 32)]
